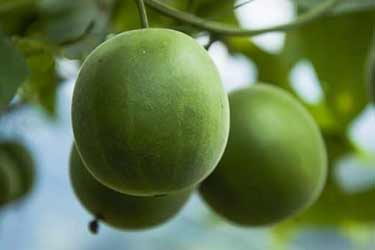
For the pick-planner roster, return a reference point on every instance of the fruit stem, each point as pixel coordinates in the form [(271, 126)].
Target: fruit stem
[(222, 29), (142, 13)]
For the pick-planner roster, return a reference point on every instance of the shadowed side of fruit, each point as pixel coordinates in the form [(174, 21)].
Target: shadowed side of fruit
[(337, 206), (5, 193), (18, 167), (120, 210), (274, 165)]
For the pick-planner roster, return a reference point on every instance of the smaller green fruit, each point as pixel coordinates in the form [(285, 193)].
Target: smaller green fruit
[(120, 210), (4, 181), (325, 211), (274, 165), (18, 165)]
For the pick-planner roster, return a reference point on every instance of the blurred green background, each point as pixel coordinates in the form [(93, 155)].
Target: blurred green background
[(324, 64)]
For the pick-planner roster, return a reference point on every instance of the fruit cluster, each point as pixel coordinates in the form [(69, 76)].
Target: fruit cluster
[(151, 124)]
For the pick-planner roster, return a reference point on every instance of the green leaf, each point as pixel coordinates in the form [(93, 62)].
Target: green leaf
[(13, 71), (337, 47), (16, 15), (77, 25), (371, 71), (62, 21), (125, 14), (125, 17), (40, 87), (220, 11), (345, 6)]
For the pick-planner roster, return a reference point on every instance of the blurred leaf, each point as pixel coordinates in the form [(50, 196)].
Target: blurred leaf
[(41, 85), (13, 71), (272, 68), (345, 6), (371, 70), (16, 15), (77, 25), (220, 11), (338, 47), (125, 16), (337, 207), (338, 50)]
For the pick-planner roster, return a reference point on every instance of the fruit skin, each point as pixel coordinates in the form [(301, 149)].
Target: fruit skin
[(120, 210), (325, 211), (4, 182), (149, 113), (19, 168), (275, 162)]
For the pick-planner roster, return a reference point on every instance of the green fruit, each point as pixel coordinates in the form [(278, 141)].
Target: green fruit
[(5, 192), (274, 165), (18, 165), (120, 210), (149, 113), (325, 210)]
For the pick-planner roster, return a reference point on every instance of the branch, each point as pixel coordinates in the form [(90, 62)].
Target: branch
[(142, 13), (85, 33), (242, 4), (219, 28)]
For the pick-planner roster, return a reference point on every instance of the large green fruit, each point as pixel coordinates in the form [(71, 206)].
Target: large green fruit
[(18, 165), (274, 165), (120, 210), (150, 115)]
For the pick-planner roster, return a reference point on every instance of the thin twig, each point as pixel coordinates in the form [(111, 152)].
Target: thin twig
[(222, 29), (142, 13), (242, 4), (74, 40)]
